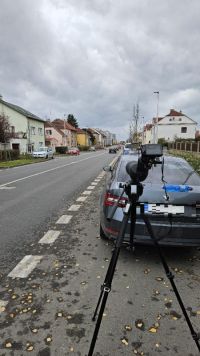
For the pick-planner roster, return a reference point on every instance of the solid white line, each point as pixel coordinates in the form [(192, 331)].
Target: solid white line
[(3, 304), (74, 207), (87, 192), (25, 266), (49, 237), (64, 219), (81, 199), (91, 187), (50, 170)]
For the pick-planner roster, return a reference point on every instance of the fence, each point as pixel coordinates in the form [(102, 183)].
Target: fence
[(187, 146)]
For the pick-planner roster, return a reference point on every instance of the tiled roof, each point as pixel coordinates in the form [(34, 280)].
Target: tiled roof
[(78, 130), (175, 113), (61, 124), (20, 110)]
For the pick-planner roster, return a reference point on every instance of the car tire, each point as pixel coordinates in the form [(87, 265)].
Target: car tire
[(102, 234)]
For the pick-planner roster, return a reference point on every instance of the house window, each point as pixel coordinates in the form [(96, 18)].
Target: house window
[(48, 132), (170, 119), (183, 129), (180, 119), (39, 130), (12, 129), (40, 144), (32, 130)]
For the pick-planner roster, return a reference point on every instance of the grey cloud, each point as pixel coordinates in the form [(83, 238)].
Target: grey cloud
[(97, 58)]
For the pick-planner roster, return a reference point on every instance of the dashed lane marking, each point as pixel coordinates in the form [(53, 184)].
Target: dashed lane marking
[(64, 219), (49, 237), (87, 192), (74, 207), (91, 187), (25, 266), (3, 304), (81, 199), (7, 188), (94, 183)]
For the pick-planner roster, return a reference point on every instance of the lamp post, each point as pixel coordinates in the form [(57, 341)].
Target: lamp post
[(156, 123)]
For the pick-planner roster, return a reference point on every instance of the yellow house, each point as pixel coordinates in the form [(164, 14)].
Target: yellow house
[(82, 137)]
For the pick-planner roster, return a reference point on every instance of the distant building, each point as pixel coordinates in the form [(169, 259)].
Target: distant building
[(68, 130), (26, 129), (173, 125), (83, 138)]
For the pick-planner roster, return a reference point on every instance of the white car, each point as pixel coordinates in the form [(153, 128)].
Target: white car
[(43, 152)]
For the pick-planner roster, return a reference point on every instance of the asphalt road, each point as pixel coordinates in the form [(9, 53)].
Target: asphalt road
[(49, 312), (33, 196)]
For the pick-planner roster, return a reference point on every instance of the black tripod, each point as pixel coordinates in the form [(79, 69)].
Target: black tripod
[(133, 192)]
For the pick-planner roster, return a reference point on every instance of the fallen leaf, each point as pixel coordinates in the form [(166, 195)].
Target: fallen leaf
[(128, 327), (124, 341), (140, 324), (153, 330), (8, 345)]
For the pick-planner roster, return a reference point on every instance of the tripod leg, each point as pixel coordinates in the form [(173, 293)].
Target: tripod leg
[(170, 276), (109, 277)]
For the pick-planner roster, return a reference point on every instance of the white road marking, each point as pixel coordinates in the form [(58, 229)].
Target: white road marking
[(50, 170), (87, 192), (3, 304), (81, 199), (25, 266), (90, 187), (74, 207), (49, 237), (64, 219), (94, 183), (7, 188)]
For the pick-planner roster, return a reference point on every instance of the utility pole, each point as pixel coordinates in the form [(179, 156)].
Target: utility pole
[(156, 123)]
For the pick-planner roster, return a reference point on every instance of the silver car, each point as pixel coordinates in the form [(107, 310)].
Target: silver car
[(175, 221), (43, 152)]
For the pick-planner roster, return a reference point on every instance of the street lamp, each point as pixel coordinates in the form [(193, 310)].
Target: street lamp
[(156, 123)]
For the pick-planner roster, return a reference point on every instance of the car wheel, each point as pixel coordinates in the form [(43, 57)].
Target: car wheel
[(102, 234)]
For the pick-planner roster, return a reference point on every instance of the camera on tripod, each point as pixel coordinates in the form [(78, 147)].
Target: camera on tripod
[(138, 171)]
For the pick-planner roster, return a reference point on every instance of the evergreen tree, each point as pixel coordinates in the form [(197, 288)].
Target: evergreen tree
[(72, 120)]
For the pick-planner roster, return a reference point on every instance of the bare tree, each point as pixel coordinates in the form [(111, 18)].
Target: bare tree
[(134, 124), (4, 128)]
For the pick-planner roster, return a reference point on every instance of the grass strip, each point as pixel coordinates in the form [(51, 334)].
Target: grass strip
[(191, 157)]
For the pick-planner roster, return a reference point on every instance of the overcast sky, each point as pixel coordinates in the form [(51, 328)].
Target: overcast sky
[(97, 58)]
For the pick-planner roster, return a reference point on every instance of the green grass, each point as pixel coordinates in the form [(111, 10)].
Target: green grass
[(20, 162), (192, 158)]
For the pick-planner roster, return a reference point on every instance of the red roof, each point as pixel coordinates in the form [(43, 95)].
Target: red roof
[(61, 124), (175, 113), (80, 131)]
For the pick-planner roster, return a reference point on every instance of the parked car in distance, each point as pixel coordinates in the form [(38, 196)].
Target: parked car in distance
[(112, 150), (175, 222), (92, 148), (73, 151), (43, 152)]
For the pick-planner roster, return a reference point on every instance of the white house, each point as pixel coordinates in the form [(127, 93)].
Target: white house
[(173, 125), (26, 129)]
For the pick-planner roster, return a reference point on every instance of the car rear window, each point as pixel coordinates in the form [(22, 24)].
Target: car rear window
[(175, 172)]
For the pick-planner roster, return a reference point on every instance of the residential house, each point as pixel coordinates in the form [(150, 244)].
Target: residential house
[(54, 137), (83, 138), (174, 125), (26, 129), (68, 130)]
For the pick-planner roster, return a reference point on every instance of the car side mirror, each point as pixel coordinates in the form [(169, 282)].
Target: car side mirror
[(107, 168)]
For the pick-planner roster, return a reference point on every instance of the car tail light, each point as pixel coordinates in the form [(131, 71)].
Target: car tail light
[(111, 200)]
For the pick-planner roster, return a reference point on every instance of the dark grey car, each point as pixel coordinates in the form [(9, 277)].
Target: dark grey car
[(176, 222)]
